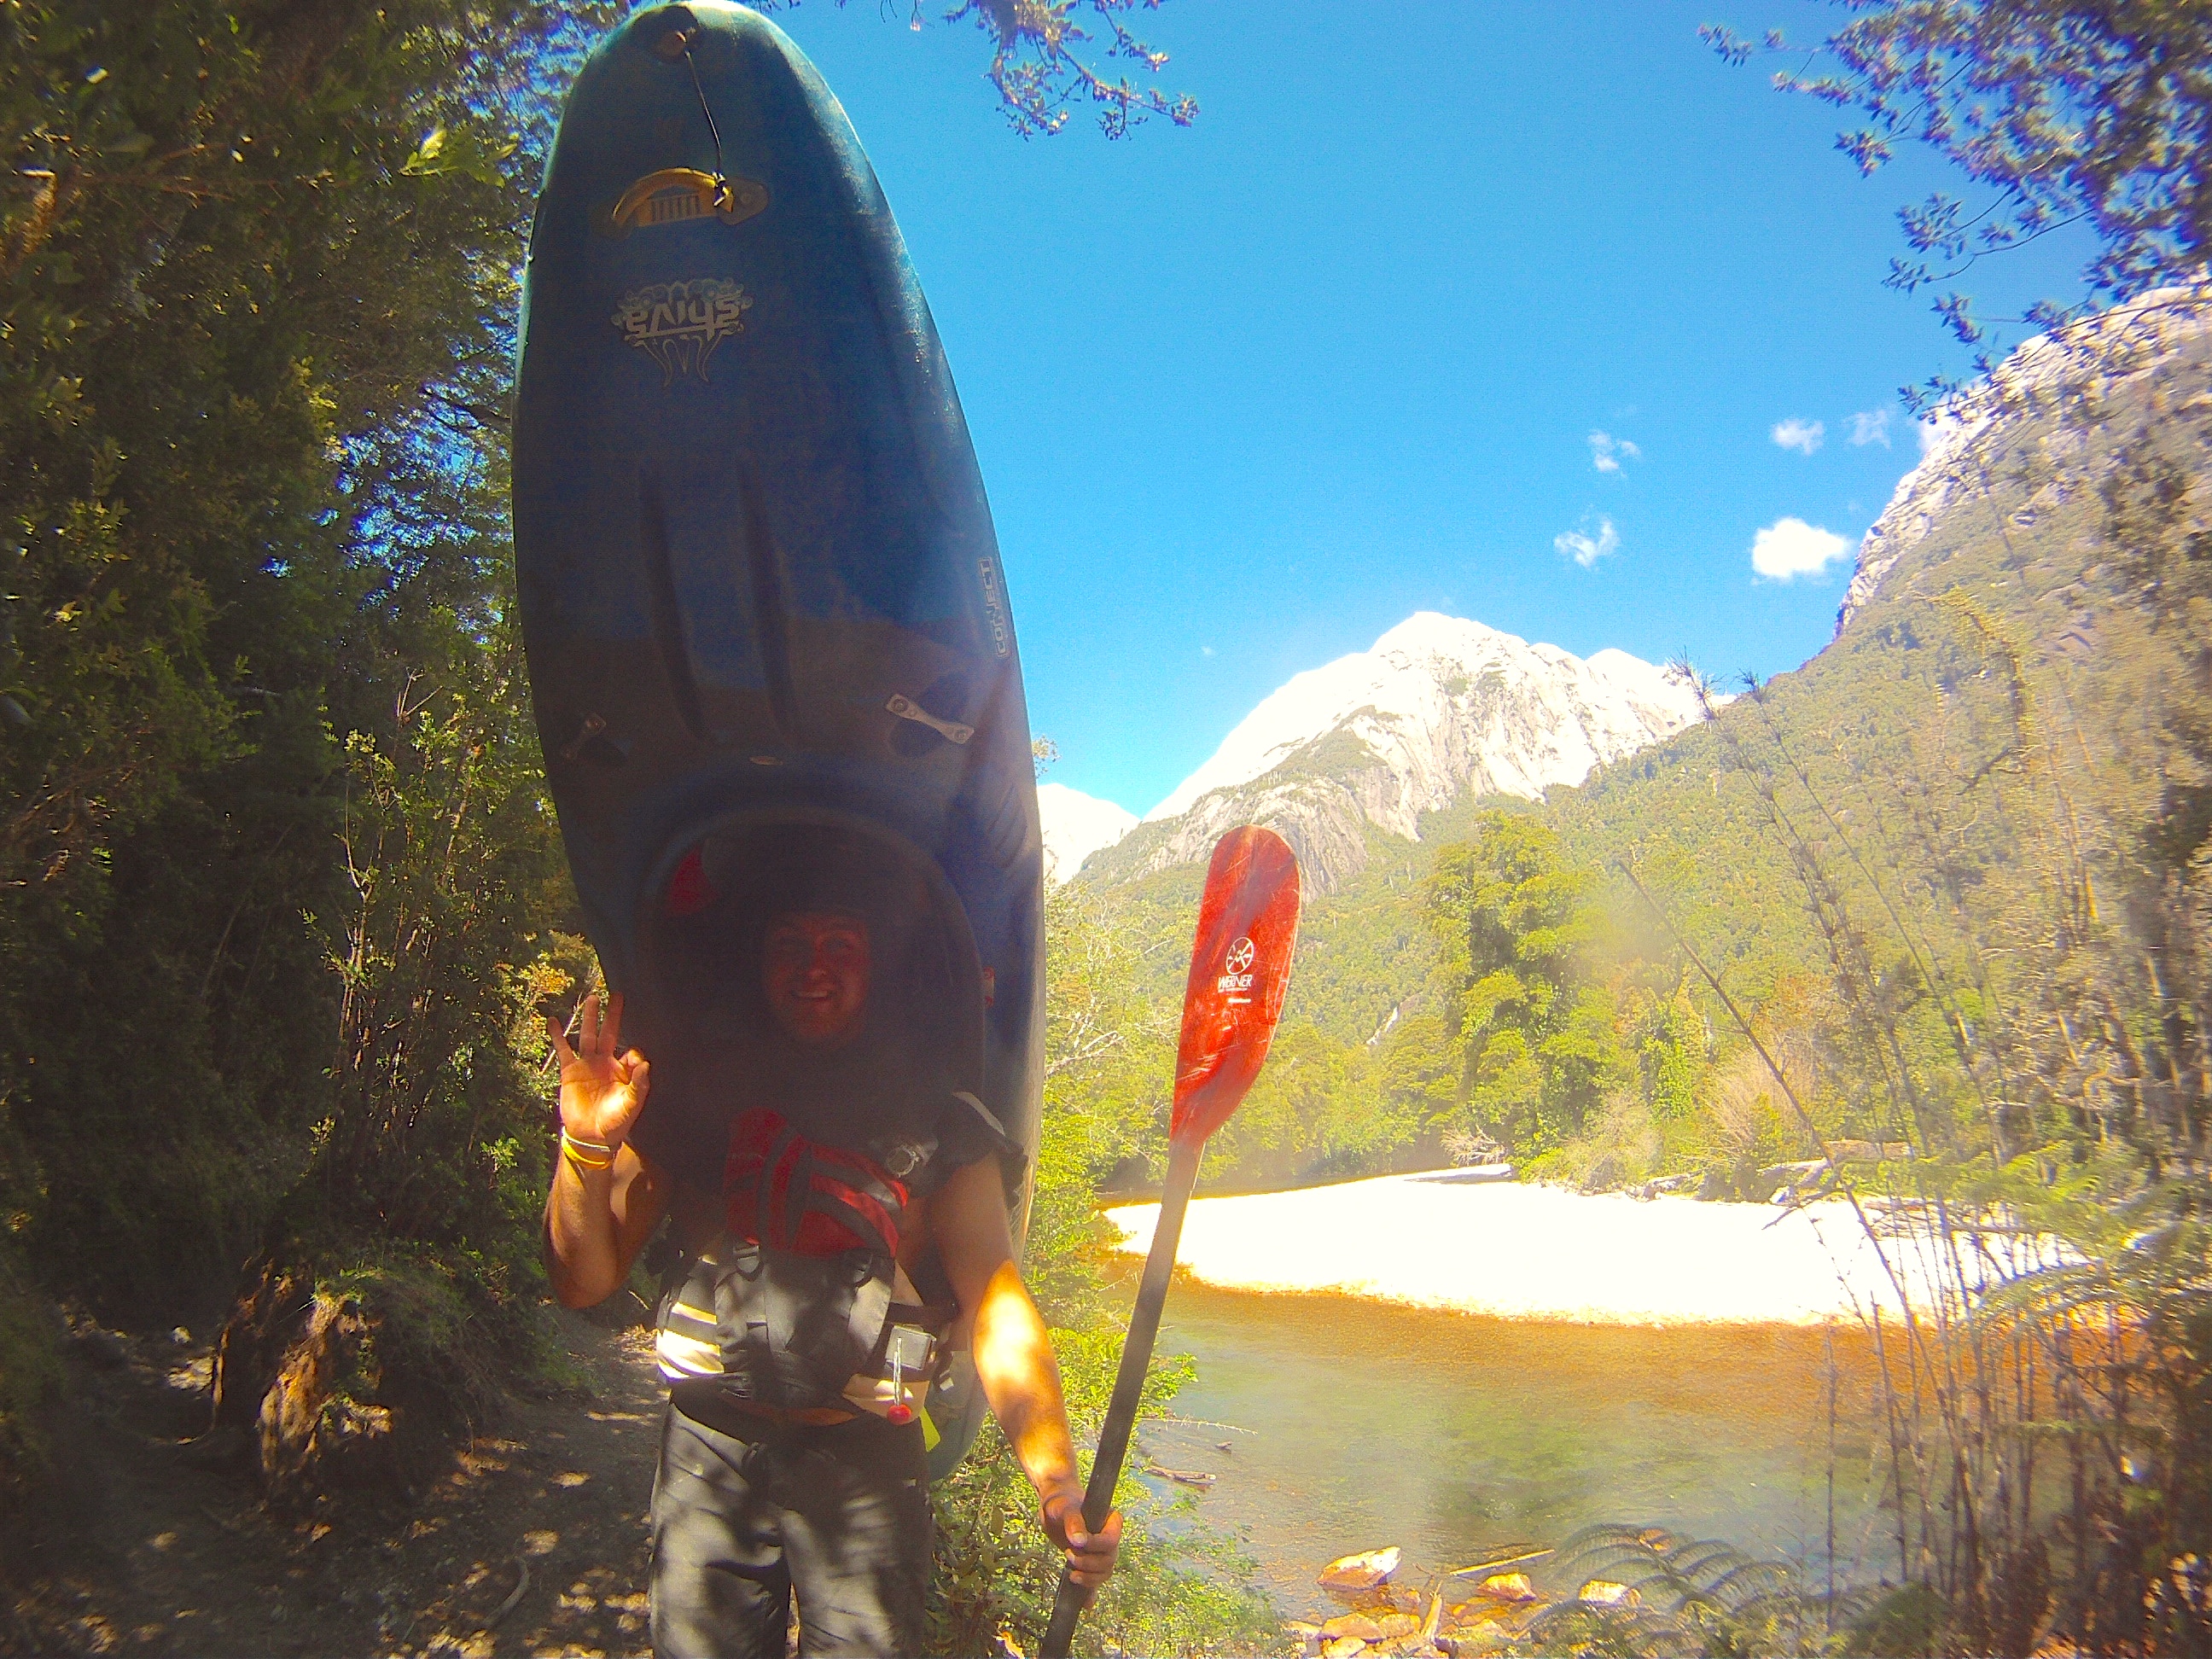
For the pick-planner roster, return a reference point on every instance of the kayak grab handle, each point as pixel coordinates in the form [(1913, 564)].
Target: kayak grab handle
[(908, 709)]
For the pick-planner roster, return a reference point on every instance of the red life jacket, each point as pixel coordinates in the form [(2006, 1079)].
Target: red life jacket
[(799, 1300), (791, 1194)]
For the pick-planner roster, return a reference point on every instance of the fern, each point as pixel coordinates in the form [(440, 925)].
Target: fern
[(1687, 1597)]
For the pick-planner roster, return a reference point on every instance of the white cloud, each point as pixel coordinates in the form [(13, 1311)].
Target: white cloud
[(1803, 436), (1790, 548), (1870, 426), (1607, 451), (1205, 650), (1585, 548)]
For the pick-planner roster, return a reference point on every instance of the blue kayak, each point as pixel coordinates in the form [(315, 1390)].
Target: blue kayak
[(760, 589)]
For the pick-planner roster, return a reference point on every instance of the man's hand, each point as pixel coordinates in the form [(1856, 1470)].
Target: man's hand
[(597, 1216), (1090, 1555), (603, 1088)]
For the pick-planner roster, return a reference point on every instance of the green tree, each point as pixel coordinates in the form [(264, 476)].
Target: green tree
[(1532, 1027), (257, 326), (1321, 1107)]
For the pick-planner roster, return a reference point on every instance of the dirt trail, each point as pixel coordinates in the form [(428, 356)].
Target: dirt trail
[(151, 1554)]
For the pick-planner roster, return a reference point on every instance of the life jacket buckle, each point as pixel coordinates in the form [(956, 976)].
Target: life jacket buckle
[(906, 1348)]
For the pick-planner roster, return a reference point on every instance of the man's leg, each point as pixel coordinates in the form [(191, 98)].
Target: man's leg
[(721, 1590), (857, 1534)]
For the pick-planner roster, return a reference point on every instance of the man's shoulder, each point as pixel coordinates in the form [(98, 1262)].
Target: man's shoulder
[(935, 1134)]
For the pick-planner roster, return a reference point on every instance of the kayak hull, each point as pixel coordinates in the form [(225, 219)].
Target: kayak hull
[(759, 585)]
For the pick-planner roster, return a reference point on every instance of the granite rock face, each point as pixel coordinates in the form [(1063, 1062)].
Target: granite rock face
[(2044, 393)]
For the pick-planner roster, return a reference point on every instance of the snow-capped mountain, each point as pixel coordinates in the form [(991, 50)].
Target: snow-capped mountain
[(1076, 825), (1439, 707)]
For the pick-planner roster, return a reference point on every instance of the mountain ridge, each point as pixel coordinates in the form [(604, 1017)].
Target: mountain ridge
[(1439, 710)]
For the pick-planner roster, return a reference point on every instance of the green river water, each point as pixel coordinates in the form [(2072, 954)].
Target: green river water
[(1352, 1425)]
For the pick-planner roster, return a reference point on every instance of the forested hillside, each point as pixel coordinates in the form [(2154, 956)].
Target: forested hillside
[(2000, 616), (1920, 927)]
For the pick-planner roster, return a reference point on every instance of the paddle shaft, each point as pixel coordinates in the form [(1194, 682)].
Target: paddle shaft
[(1128, 1387)]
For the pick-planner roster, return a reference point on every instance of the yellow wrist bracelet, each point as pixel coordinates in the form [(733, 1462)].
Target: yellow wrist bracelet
[(586, 1154)]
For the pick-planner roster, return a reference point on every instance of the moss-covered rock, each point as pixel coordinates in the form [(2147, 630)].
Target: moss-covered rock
[(354, 1375)]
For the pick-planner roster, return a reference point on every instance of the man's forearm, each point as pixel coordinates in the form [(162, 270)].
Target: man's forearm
[(1020, 1377), (583, 1244)]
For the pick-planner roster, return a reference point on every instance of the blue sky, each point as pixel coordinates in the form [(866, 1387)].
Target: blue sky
[(1248, 393)]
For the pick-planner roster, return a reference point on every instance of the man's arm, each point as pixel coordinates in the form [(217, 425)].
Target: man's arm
[(597, 1221), (1014, 1360), (598, 1218)]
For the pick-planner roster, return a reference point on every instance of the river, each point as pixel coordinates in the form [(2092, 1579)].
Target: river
[(1353, 1422), (1353, 1425)]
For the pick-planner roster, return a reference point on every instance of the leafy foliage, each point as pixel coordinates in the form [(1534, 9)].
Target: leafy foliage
[(1176, 1589), (1686, 1596), (2063, 111), (239, 514), (1046, 64), (1042, 71), (1536, 1035)]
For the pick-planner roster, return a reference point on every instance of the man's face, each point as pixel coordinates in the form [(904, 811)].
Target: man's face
[(815, 973)]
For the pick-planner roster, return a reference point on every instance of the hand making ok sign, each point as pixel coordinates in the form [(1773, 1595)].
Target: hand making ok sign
[(603, 1089)]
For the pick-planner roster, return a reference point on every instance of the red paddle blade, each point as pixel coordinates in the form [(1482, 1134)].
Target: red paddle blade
[(1240, 967)]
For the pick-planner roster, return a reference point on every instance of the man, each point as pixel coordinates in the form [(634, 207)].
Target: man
[(754, 1497)]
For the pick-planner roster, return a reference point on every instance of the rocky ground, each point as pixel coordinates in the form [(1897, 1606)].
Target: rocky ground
[(1474, 1613), (530, 1540)]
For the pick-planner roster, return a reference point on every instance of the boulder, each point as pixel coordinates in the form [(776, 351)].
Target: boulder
[(1604, 1593), (1393, 1625), (313, 1433), (268, 1318), (1343, 1648), (1352, 1624), (1508, 1587), (1352, 1573)]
